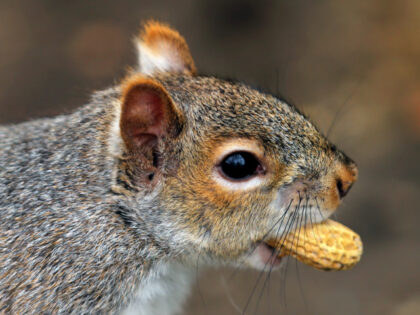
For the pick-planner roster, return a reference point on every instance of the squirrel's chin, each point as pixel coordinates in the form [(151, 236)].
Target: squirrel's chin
[(263, 258)]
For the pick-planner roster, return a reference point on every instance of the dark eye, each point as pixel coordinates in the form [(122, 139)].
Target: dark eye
[(240, 165)]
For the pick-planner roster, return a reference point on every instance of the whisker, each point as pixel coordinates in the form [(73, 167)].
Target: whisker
[(348, 98), (265, 265), (312, 225), (279, 221), (229, 296), (287, 257), (274, 253), (323, 218), (276, 249), (297, 266)]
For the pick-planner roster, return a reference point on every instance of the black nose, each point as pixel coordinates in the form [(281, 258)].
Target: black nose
[(343, 188)]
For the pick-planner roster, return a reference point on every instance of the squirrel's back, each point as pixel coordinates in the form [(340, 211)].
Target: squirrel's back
[(55, 191), (38, 155)]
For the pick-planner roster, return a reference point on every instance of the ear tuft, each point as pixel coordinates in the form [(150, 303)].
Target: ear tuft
[(163, 49)]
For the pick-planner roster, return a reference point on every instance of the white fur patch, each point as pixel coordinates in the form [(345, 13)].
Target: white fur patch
[(115, 142), (162, 59), (245, 185), (163, 292)]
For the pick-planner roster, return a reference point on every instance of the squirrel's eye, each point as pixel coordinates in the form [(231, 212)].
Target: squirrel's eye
[(240, 165)]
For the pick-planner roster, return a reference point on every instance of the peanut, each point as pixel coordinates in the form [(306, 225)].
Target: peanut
[(328, 245)]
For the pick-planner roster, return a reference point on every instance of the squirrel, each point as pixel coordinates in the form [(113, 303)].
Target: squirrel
[(108, 209)]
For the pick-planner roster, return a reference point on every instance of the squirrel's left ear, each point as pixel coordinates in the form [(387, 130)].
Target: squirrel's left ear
[(148, 114), (162, 49)]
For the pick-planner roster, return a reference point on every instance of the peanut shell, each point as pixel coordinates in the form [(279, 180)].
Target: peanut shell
[(328, 245)]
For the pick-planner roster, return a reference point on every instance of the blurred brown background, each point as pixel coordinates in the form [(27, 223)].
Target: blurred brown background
[(356, 61)]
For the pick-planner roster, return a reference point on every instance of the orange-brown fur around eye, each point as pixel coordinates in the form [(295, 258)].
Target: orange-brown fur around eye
[(219, 212)]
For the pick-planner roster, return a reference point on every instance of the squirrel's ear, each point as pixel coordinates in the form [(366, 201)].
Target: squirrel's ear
[(162, 49), (147, 114)]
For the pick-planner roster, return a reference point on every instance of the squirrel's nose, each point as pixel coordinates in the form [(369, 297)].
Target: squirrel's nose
[(346, 176), (343, 188)]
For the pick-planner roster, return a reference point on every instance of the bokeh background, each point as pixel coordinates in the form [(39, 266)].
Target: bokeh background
[(353, 66)]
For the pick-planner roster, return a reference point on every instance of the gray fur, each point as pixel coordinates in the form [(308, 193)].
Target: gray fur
[(78, 234), (62, 247)]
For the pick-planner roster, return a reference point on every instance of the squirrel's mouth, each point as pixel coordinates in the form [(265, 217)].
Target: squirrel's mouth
[(268, 255), (264, 257)]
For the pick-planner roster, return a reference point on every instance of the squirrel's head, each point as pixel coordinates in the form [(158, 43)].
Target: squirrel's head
[(225, 166)]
